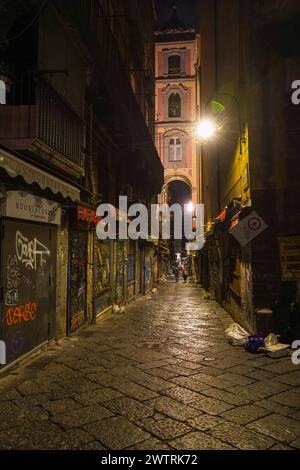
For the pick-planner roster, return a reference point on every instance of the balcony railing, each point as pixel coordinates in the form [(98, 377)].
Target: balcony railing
[(36, 119)]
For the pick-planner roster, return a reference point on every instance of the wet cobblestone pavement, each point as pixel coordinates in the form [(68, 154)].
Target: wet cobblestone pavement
[(161, 376)]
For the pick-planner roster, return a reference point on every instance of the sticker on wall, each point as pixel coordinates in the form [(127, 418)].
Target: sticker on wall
[(245, 230)]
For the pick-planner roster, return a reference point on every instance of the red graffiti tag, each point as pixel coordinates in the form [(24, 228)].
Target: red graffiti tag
[(17, 315)]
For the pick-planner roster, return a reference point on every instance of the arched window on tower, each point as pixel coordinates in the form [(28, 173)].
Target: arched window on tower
[(175, 150), (174, 105), (174, 64)]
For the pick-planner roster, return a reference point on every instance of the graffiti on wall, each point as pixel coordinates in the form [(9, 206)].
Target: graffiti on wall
[(77, 280), (102, 267), (12, 281), (21, 313), (120, 272), (32, 253)]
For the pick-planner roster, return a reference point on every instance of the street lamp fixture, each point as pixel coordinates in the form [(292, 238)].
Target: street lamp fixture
[(206, 129)]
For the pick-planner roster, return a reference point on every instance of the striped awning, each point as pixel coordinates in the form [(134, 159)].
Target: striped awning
[(16, 166)]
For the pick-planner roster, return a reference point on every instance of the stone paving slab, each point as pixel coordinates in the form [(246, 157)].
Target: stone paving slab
[(199, 441), (281, 428), (131, 409), (241, 438), (160, 377), (165, 429), (245, 414), (116, 433)]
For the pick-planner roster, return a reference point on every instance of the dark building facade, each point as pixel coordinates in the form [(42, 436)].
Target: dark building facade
[(76, 130), (250, 58)]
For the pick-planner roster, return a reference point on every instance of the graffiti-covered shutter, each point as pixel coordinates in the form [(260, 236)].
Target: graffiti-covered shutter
[(28, 257), (77, 279)]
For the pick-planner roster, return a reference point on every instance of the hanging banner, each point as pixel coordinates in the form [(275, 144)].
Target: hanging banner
[(245, 230), (289, 248)]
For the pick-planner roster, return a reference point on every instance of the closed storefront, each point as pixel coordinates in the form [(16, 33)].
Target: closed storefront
[(148, 269), (28, 266), (131, 284), (120, 272), (142, 268), (102, 275), (77, 277)]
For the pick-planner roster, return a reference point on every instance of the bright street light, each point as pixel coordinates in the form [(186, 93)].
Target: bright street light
[(190, 206), (206, 129)]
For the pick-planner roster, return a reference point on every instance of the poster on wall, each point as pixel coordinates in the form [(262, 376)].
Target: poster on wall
[(289, 248), (101, 266)]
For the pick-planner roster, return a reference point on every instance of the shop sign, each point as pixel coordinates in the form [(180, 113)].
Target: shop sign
[(222, 216), (86, 214), (247, 229), (20, 205), (289, 248)]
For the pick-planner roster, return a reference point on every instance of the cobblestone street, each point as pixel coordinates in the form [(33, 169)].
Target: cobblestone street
[(161, 376)]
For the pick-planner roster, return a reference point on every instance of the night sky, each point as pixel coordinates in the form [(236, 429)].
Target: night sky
[(188, 11)]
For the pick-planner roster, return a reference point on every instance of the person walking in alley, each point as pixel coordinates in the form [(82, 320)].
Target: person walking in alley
[(185, 275), (176, 273)]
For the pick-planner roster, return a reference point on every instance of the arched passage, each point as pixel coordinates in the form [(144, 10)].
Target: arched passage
[(177, 190)]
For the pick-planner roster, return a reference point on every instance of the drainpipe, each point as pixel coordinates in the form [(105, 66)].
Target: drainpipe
[(90, 159), (94, 192)]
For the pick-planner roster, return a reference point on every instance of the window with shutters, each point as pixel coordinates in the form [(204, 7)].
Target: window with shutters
[(174, 64), (174, 105), (175, 150)]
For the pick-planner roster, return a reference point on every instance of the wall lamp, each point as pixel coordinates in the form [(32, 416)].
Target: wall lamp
[(207, 128)]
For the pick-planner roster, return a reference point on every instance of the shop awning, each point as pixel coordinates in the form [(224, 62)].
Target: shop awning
[(14, 167)]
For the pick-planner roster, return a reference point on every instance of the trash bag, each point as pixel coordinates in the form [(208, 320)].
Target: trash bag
[(116, 308), (236, 335), (254, 343), (271, 340), (273, 348)]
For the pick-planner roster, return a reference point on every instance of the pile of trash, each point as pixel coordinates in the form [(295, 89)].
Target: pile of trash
[(162, 279), (255, 343), (117, 309), (209, 295)]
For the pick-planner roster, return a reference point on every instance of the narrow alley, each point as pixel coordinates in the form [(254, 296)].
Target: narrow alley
[(161, 376)]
